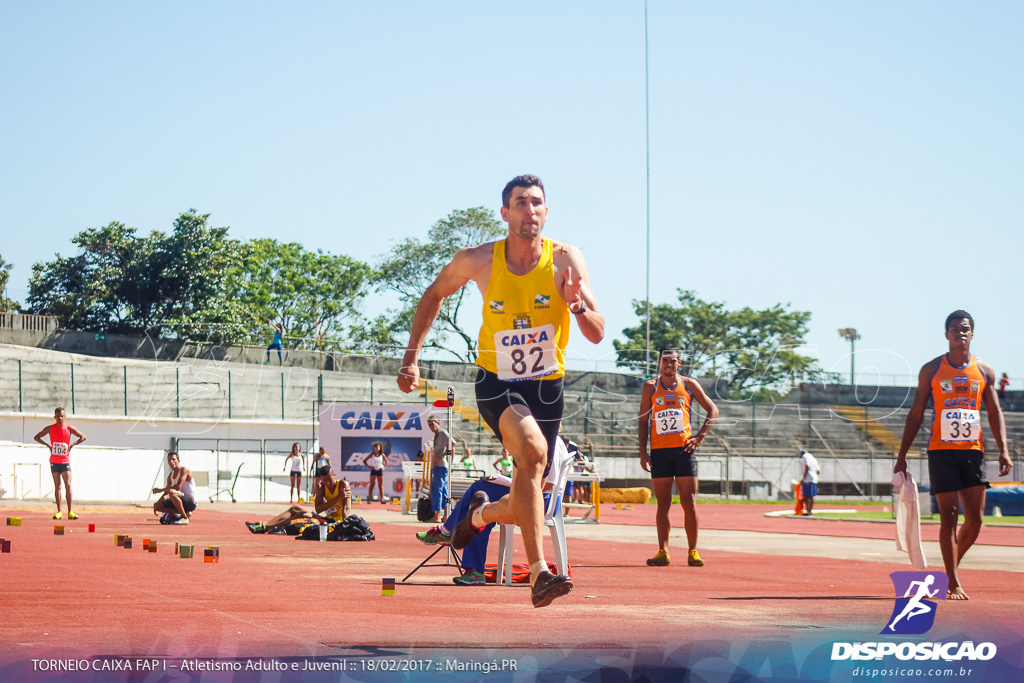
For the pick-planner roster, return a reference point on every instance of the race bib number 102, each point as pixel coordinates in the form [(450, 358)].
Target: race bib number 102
[(526, 354)]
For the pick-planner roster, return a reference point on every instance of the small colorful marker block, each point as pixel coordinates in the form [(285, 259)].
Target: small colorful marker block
[(185, 551), (58, 530), (119, 540), (387, 587), (357, 501), (127, 542), (152, 546), (145, 543), (177, 549), (211, 554), (5, 546), (92, 528), (14, 521)]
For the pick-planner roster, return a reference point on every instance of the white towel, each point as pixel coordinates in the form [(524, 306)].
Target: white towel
[(908, 519)]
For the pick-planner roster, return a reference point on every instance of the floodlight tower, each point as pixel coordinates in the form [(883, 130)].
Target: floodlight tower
[(850, 335)]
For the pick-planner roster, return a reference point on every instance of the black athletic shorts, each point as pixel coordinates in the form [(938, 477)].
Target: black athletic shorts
[(57, 468), (541, 397), (376, 473), (188, 502), (952, 470), (672, 462)]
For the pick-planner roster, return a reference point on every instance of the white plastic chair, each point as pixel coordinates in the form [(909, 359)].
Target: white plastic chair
[(552, 520)]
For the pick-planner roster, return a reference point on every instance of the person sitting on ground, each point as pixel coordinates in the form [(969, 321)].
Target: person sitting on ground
[(495, 487), (332, 502), (179, 496)]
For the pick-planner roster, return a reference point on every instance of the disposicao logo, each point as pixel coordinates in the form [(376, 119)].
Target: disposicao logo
[(914, 614)]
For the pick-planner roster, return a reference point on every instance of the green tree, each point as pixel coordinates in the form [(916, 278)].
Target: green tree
[(753, 350), (313, 295), (411, 265), (120, 282), (6, 305)]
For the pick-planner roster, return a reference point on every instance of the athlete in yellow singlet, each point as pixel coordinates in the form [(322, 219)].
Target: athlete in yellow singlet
[(665, 416), (958, 383), (532, 287)]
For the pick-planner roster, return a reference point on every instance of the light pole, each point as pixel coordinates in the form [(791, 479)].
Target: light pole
[(851, 335)]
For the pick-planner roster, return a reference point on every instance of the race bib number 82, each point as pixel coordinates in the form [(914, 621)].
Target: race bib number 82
[(526, 354)]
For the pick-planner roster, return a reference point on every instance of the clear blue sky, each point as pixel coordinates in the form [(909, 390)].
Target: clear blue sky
[(862, 161)]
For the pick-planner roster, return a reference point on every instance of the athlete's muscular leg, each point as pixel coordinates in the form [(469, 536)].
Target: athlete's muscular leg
[(524, 505), (973, 502), (948, 514), (56, 488), (67, 489), (663, 492), (688, 499)]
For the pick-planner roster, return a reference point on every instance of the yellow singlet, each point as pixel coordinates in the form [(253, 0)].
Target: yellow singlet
[(526, 322)]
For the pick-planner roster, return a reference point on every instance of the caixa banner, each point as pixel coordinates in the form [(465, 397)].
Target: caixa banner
[(349, 433)]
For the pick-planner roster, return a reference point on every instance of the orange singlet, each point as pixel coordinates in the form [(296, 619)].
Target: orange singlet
[(956, 418), (60, 444), (670, 414)]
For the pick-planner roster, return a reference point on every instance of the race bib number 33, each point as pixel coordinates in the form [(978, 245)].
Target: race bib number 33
[(959, 425), (528, 353)]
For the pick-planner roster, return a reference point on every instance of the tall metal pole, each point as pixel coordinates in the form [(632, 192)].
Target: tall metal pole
[(647, 131)]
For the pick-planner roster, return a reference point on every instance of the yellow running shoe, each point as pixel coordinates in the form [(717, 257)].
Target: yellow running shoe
[(72, 515), (59, 515), (659, 560), (694, 559)]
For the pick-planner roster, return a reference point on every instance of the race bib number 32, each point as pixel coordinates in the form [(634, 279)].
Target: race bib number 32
[(960, 425), (668, 421), (528, 353)]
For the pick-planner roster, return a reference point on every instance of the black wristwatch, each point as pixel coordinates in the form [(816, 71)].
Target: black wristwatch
[(583, 308)]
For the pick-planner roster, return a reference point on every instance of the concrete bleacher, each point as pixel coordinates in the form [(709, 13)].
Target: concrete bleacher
[(752, 443)]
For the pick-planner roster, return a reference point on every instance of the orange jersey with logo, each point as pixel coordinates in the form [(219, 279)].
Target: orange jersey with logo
[(670, 414), (956, 394)]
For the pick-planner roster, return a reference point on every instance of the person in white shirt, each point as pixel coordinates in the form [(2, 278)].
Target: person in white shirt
[(809, 476), (179, 496), (298, 463)]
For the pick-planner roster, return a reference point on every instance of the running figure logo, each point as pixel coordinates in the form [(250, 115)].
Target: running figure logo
[(914, 613)]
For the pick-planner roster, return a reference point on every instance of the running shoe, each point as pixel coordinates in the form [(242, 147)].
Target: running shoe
[(257, 527), (72, 515), (660, 560), (59, 515), (182, 520), (694, 559), (470, 578), (548, 586), (465, 531), (433, 536)]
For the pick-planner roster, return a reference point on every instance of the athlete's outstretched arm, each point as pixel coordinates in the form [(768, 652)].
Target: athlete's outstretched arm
[(575, 289), (452, 277), (694, 387), (996, 422), (916, 415), (643, 424)]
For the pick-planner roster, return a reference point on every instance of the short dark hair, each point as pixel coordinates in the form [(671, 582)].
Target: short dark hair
[(521, 181), (666, 350), (958, 314), (170, 453), (58, 410)]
